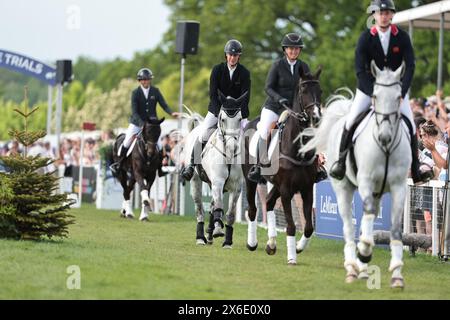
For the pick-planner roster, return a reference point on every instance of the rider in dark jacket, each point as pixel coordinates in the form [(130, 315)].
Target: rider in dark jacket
[(233, 80), (389, 47)]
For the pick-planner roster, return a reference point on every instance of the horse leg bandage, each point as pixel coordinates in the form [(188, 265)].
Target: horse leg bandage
[(272, 224), (397, 256), (292, 253), (251, 240)]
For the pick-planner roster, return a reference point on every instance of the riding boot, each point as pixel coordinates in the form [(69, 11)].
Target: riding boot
[(188, 172), (338, 169), (417, 175), (254, 174), (115, 167)]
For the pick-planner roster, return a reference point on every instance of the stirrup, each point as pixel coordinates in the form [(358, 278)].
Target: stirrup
[(338, 171)]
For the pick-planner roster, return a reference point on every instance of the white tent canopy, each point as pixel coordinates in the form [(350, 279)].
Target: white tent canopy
[(426, 16), (429, 16)]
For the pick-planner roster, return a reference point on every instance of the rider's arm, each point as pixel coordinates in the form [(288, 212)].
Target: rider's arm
[(246, 86), (134, 109), (162, 102), (272, 82), (410, 64), (365, 82), (213, 91)]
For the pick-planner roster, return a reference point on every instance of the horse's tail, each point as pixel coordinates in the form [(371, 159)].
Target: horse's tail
[(194, 119), (336, 108)]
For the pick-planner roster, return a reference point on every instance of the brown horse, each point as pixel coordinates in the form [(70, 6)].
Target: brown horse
[(296, 172), (141, 166)]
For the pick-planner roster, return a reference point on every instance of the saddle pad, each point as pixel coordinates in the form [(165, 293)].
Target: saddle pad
[(365, 122), (254, 144), (362, 125), (130, 150)]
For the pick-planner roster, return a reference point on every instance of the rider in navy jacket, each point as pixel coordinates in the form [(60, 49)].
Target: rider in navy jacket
[(389, 47)]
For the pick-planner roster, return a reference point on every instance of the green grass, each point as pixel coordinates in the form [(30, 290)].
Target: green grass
[(123, 259)]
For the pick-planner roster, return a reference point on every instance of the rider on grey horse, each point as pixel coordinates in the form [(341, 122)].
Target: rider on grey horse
[(388, 46), (233, 80), (143, 106), (280, 87)]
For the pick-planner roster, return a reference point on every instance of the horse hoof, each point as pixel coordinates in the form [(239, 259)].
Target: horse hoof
[(292, 262), (144, 220), (129, 216), (227, 246), (364, 259), (350, 278), (201, 242), (210, 240), (271, 251), (298, 251), (250, 248), (397, 283), (363, 275), (218, 233)]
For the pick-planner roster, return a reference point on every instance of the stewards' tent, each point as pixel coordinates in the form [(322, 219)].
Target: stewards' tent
[(434, 16)]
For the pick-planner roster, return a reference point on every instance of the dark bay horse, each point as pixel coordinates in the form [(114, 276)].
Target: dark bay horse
[(296, 172), (141, 166)]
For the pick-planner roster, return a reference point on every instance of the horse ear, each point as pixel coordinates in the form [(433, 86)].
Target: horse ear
[(242, 98), (374, 68), (318, 72), (222, 97), (400, 72)]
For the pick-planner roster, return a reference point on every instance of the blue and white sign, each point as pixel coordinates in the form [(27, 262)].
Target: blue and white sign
[(328, 221), (28, 66)]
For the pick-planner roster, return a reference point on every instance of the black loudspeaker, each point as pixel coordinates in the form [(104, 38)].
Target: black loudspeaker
[(187, 37), (63, 71)]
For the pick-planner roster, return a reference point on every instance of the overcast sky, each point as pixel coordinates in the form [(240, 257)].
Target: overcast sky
[(49, 30)]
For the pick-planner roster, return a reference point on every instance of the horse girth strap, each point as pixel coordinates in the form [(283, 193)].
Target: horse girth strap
[(300, 163)]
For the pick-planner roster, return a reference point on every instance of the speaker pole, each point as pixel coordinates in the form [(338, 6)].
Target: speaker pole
[(180, 125), (59, 102), (49, 110)]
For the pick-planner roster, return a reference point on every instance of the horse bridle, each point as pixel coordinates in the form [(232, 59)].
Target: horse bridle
[(387, 116), (303, 115), (224, 141)]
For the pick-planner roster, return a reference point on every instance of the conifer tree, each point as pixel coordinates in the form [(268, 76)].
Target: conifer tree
[(30, 207)]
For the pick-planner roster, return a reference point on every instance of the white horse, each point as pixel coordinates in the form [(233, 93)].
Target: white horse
[(221, 169), (383, 157)]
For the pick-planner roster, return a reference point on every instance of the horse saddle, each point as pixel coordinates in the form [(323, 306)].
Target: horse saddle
[(130, 149), (272, 140)]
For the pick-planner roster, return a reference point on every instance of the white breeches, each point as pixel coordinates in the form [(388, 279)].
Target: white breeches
[(131, 131), (267, 118), (209, 122), (362, 102)]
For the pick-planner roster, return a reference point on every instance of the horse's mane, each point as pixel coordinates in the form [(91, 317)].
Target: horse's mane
[(336, 107)]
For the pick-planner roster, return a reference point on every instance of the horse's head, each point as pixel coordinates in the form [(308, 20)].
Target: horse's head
[(387, 98), (308, 97), (151, 133), (230, 116)]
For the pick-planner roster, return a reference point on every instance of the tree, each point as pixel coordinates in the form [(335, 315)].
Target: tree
[(30, 209)]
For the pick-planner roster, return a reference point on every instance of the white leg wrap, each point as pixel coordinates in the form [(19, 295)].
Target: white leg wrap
[(303, 243), (271, 224), (251, 240), (397, 256), (128, 208), (292, 254), (367, 229), (144, 195), (350, 256), (144, 213)]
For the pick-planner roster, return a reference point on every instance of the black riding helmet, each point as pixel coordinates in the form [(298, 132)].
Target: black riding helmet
[(145, 74), (293, 40), (233, 47), (381, 5)]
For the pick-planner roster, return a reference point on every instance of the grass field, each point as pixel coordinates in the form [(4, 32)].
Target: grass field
[(123, 259)]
